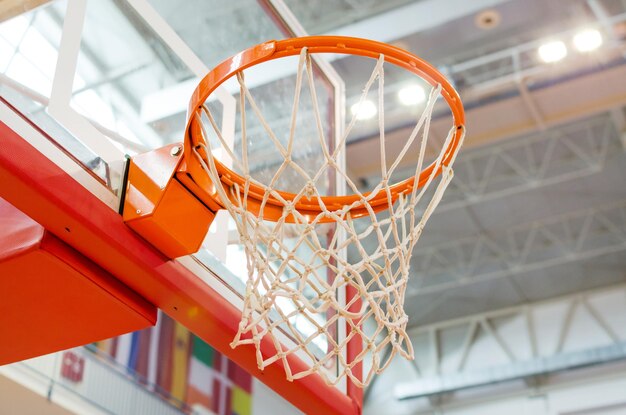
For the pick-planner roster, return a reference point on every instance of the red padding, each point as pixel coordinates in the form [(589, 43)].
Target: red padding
[(41, 189), (53, 298)]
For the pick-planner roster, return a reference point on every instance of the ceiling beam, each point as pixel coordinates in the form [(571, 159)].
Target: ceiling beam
[(566, 349), (543, 365), (524, 256), (412, 18)]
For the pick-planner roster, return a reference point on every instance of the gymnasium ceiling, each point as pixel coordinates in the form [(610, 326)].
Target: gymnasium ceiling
[(544, 154), (509, 231), (537, 208), (506, 231)]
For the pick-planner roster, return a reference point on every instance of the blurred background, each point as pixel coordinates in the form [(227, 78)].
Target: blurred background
[(517, 292)]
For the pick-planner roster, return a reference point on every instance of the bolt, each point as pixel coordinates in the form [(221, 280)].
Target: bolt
[(175, 151), (138, 211)]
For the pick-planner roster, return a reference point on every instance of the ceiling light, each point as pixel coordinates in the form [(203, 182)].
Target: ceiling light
[(365, 111), (412, 95), (552, 51), (587, 40)]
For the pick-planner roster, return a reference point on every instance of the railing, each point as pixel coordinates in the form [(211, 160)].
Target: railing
[(102, 386)]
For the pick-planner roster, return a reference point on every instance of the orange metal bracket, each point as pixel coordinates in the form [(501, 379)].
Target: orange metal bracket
[(171, 201), (160, 208)]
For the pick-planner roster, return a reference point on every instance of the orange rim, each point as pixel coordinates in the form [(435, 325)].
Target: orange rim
[(322, 44)]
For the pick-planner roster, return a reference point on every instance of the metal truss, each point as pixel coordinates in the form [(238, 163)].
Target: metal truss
[(517, 70), (518, 62), (545, 355), (552, 156), (543, 158), (557, 240)]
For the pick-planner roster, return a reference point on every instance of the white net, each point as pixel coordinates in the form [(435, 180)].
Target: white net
[(285, 287)]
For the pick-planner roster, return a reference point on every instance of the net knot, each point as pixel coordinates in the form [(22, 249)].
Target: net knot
[(309, 190)]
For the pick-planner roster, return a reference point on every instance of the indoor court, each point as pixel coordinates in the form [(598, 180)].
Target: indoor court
[(324, 207)]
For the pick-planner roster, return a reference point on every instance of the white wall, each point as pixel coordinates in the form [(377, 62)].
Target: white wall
[(490, 345), (102, 390), (589, 394)]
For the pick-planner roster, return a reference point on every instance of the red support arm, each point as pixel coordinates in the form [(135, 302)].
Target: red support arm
[(39, 188)]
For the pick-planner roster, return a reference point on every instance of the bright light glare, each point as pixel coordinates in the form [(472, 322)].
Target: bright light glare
[(588, 40), (365, 111), (552, 51), (412, 95)]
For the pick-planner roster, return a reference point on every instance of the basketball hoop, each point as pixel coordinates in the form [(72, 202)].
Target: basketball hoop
[(378, 278)]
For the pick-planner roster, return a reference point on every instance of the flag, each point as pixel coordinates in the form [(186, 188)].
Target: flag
[(72, 366), (183, 367), (241, 397), (241, 402), (200, 373), (221, 385), (124, 348), (166, 340), (153, 354), (180, 361), (107, 346), (141, 353), (240, 377), (232, 388), (133, 353)]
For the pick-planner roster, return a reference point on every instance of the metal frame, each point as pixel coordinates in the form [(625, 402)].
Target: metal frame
[(574, 151), (507, 72), (59, 106), (556, 155), (569, 237), (519, 365), (511, 57), (42, 375), (35, 184)]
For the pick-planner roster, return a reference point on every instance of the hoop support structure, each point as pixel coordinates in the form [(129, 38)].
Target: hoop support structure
[(54, 199), (315, 44), (161, 203)]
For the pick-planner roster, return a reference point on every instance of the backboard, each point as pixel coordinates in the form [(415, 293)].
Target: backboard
[(86, 83)]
